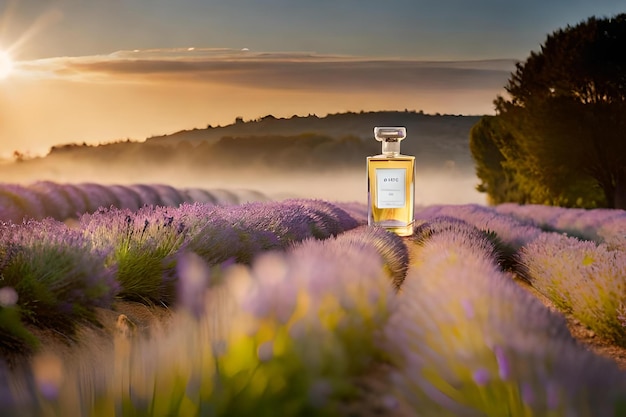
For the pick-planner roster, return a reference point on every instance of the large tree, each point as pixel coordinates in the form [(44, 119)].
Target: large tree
[(565, 117)]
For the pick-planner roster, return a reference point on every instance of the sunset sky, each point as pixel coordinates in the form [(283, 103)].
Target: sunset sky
[(97, 71)]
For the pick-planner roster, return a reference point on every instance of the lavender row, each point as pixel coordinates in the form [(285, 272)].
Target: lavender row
[(389, 246), (582, 278), (143, 244), (512, 232), (63, 201), (55, 275), (465, 340), (599, 225), (288, 335), (51, 278)]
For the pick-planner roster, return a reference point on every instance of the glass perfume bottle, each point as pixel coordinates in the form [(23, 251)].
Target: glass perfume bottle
[(391, 184)]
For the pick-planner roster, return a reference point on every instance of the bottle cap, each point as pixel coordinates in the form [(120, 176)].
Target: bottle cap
[(389, 134)]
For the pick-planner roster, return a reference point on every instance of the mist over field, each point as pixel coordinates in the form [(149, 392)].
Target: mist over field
[(306, 157), (431, 187)]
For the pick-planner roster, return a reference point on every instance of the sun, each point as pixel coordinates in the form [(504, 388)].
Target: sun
[(6, 65)]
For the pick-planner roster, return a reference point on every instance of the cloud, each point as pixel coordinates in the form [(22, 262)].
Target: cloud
[(288, 71)]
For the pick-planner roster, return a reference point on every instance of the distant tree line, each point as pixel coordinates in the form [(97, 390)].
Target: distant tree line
[(560, 137), (297, 152), (336, 141)]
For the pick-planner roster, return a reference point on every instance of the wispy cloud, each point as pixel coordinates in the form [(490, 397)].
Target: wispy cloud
[(289, 70)]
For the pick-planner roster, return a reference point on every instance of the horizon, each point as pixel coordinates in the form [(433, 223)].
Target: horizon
[(236, 121)]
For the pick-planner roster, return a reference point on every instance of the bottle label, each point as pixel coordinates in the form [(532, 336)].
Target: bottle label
[(391, 187)]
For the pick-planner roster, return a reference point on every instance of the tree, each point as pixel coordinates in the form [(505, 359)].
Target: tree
[(566, 116), (497, 178)]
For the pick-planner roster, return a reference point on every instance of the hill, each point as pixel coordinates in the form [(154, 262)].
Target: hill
[(342, 139), (442, 135)]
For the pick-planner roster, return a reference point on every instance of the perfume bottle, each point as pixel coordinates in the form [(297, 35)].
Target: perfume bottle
[(391, 184)]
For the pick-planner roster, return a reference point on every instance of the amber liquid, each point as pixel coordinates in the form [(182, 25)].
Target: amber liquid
[(394, 208)]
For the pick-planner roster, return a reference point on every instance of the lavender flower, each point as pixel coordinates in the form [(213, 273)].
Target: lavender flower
[(512, 232), (58, 276), (357, 211), (168, 195), (24, 200), (389, 245), (76, 198), (97, 196), (198, 195), (126, 197), (481, 377), (194, 275), (579, 277), (224, 197), (147, 195), (143, 247), (55, 202), (10, 211), (447, 359)]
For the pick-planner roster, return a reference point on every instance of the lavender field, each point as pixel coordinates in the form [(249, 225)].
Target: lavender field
[(296, 308)]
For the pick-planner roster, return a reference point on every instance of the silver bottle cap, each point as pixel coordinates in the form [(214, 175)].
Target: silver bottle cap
[(391, 134)]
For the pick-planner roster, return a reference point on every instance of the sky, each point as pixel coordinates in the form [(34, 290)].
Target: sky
[(99, 71)]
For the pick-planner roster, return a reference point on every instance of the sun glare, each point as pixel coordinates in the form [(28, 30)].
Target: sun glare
[(6, 65)]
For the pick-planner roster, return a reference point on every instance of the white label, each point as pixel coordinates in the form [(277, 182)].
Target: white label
[(391, 187)]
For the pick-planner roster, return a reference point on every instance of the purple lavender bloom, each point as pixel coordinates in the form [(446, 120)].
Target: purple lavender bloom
[(541, 215), (468, 308), (55, 202), (264, 226), (143, 246), (481, 377), (126, 197), (528, 394), (198, 195), (512, 232), (49, 374), (10, 211), (97, 196), (58, 275), (147, 195), (504, 366), (224, 197), (552, 396), (193, 281), (357, 211), (580, 277), (168, 195), (76, 197), (214, 238), (25, 200), (328, 217), (390, 246), (430, 329)]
